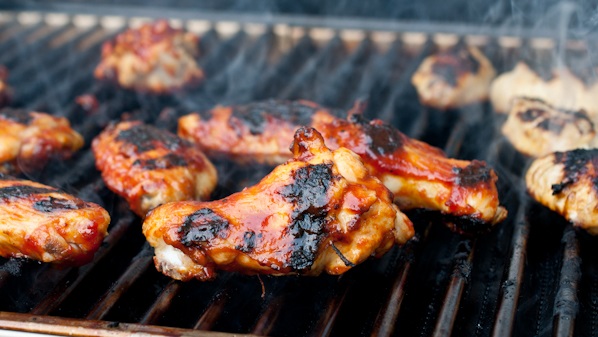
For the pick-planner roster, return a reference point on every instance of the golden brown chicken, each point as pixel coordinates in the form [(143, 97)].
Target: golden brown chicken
[(453, 78), (564, 90), (5, 89), (536, 128), (565, 182), (43, 223), (153, 58), (29, 139), (320, 211), (149, 167), (419, 175)]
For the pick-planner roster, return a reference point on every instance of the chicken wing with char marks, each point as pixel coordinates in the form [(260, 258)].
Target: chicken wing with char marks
[(566, 182), (320, 211), (153, 58), (29, 139), (536, 128), (149, 167), (419, 175), (43, 223), (453, 78)]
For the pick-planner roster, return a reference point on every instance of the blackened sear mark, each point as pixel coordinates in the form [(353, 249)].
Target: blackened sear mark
[(23, 191), (255, 115), (382, 139), (473, 174), (555, 123), (17, 116), (51, 204), (309, 195), (201, 227), (249, 242), (451, 64), (575, 165), (165, 162), (144, 138)]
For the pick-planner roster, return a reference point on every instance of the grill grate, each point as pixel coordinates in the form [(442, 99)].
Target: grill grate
[(439, 284)]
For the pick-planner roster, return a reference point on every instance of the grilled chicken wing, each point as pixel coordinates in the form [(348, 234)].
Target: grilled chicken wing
[(453, 78), (149, 167), (564, 90), (153, 58), (320, 211), (42, 223), (5, 90), (565, 182), (536, 128), (29, 139), (419, 175)]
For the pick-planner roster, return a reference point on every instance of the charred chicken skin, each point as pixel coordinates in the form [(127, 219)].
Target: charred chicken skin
[(319, 211), (453, 78), (535, 128), (149, 167), (29, 139), (419, 175), (43, 223), (153, 58), (565, 182)]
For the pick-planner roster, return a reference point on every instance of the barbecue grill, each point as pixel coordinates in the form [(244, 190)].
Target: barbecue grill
[(531, 275)]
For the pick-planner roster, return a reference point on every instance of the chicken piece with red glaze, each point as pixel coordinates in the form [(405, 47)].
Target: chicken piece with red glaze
[(148, 166), (153, 58), (565, 182), (43, 223), (319, 211), (453, 78), (29, 139), (419, 175)]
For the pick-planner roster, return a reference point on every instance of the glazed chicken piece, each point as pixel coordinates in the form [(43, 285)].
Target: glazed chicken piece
[(43, 223), (149, 167), (565, 182), (5, 89), (29, 139), (320, 211), (153, 58), (564, 90), (453, 78), (536, 128), (419, 175)]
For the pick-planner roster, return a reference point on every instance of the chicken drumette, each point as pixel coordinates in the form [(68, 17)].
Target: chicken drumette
[(153, 58), (29, 139), (43, 223), (320, 211), (149, 167), (419, 175)]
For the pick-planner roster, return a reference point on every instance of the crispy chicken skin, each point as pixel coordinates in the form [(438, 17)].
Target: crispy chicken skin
[(564, 90), (419, 175), (453, 78), (29, 139), (536, 128), (149, 167), (319, 211), (565, 182), (153, 58), (5, 89), (43, 223)]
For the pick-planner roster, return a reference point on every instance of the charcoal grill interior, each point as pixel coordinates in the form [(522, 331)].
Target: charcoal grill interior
[(532, 275)]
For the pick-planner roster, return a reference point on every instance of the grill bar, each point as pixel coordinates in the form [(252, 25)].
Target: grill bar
[(566, 304), (162, 303), (512, 284)]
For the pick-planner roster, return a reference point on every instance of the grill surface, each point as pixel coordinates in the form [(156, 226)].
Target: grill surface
[(524, 278)]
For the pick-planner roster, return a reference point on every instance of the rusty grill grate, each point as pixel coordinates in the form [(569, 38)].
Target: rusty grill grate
[(524, 278)]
